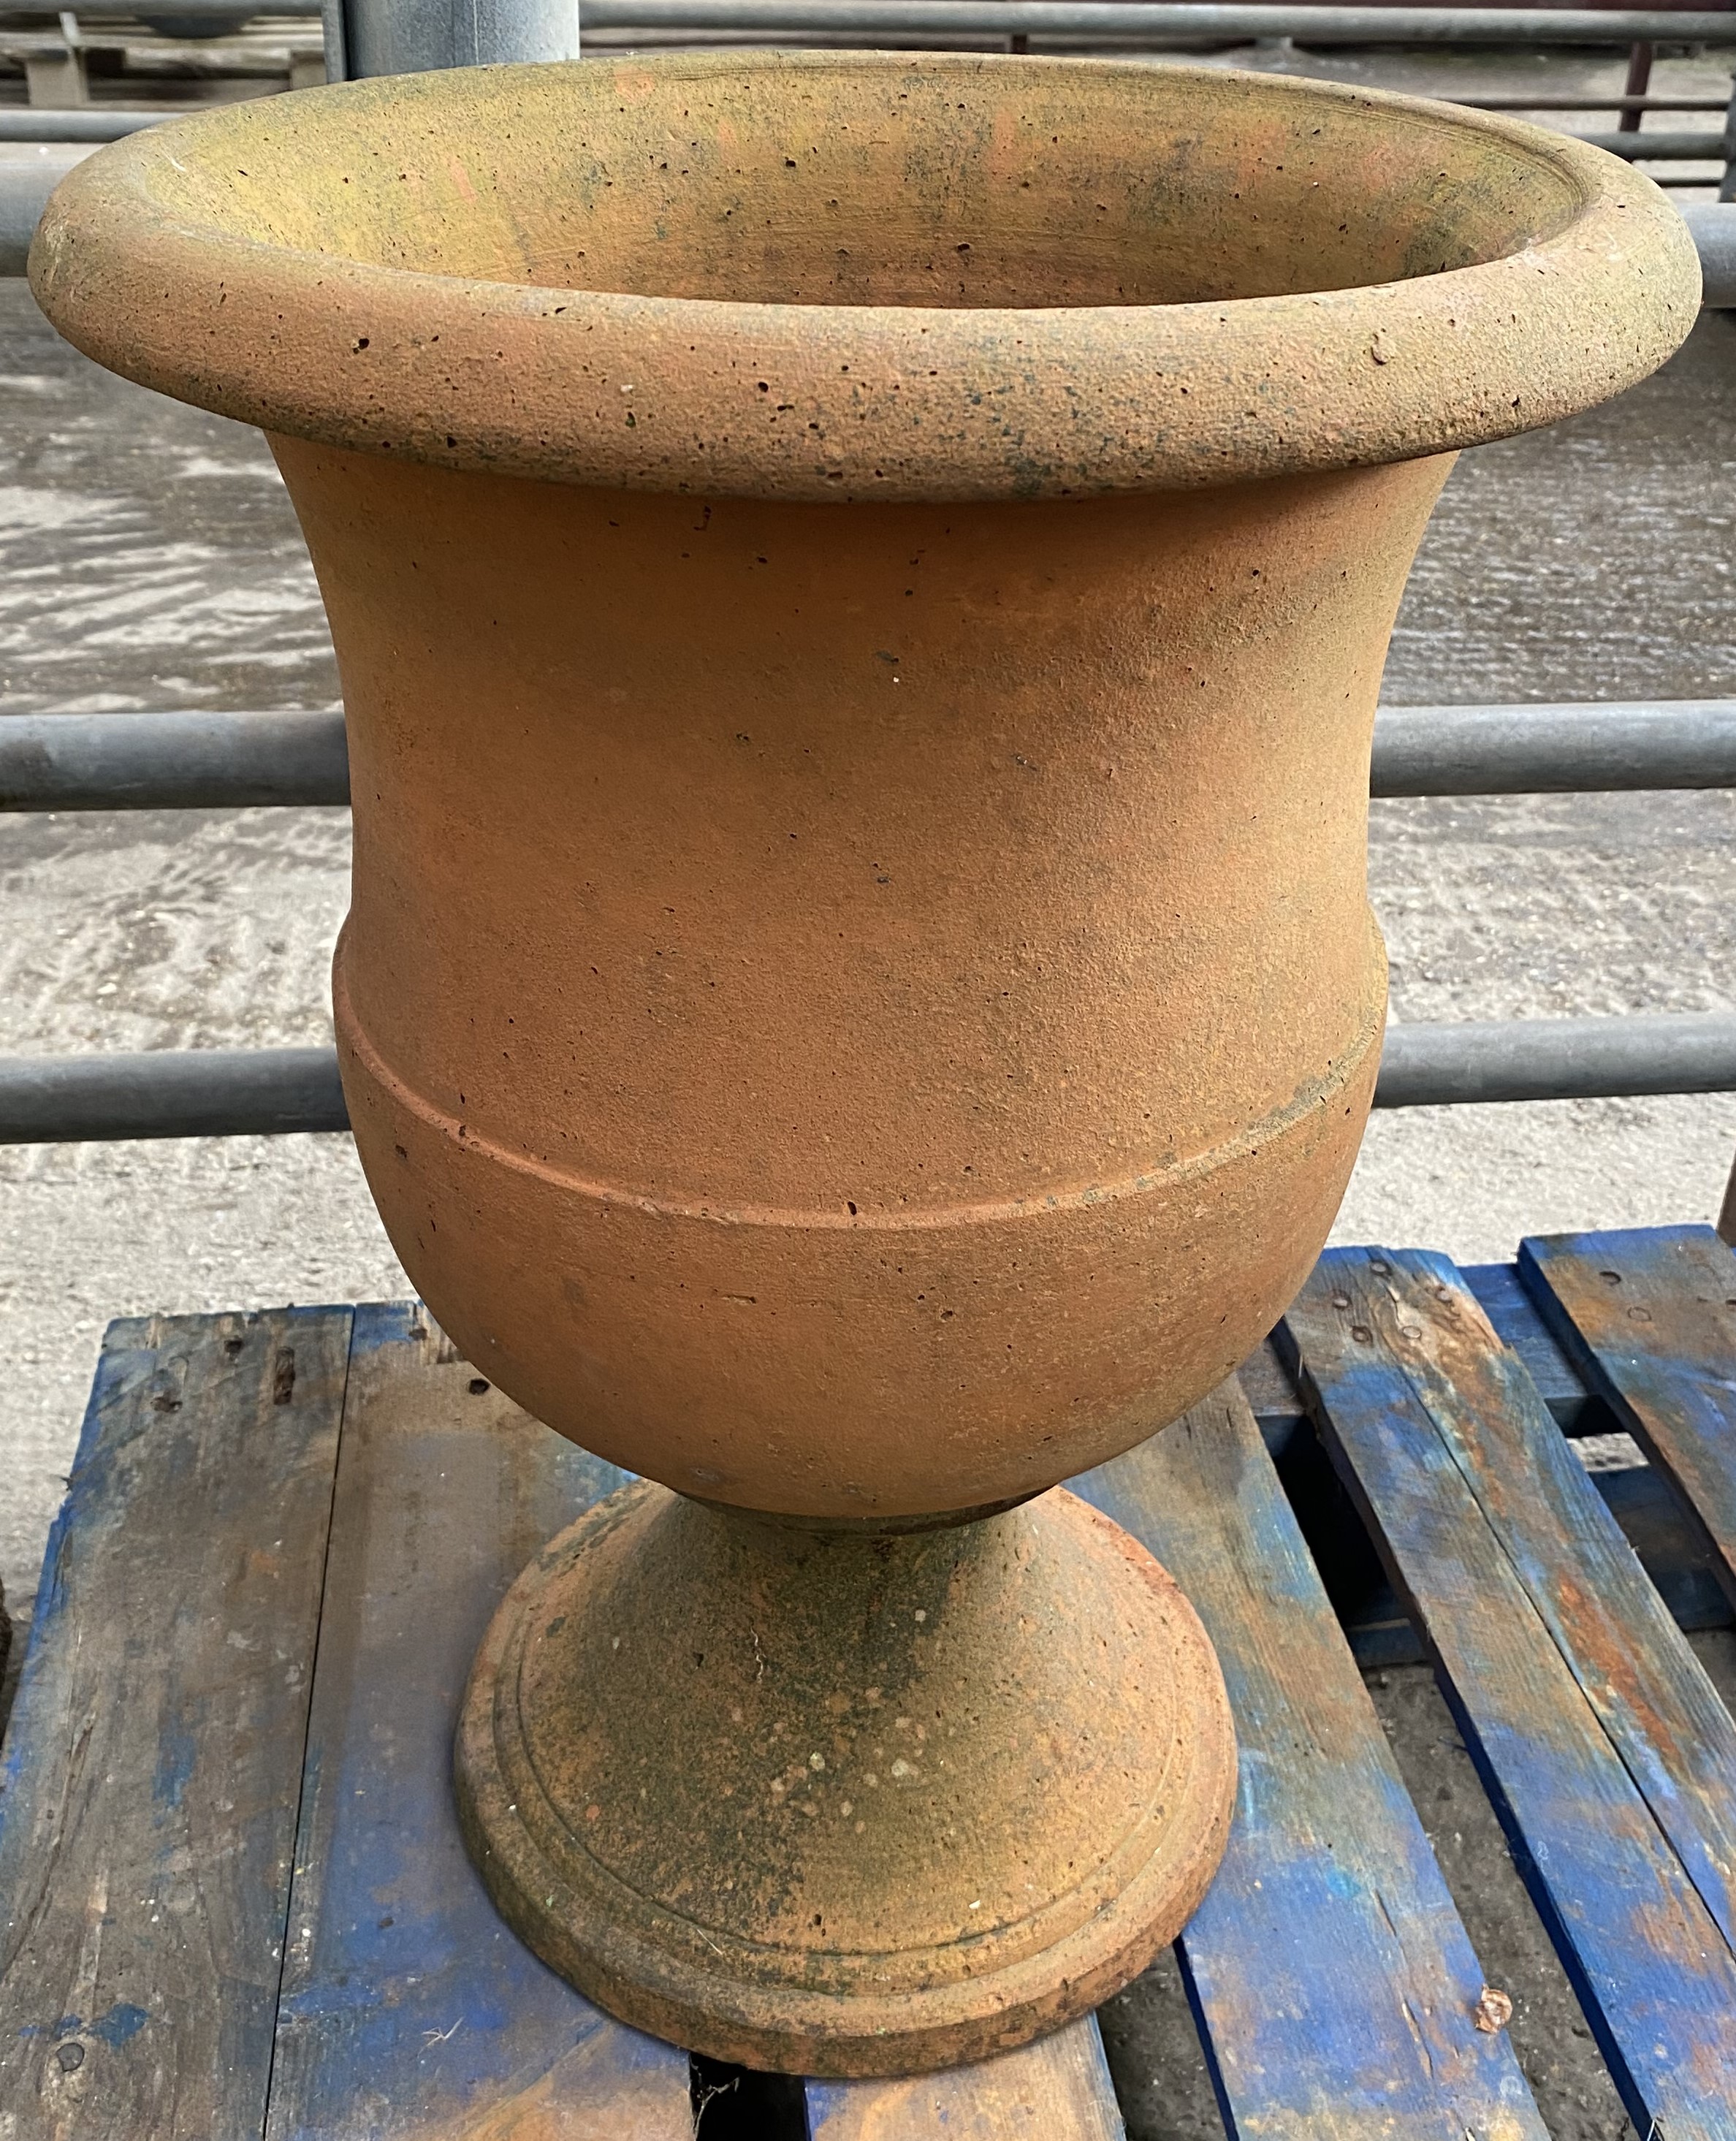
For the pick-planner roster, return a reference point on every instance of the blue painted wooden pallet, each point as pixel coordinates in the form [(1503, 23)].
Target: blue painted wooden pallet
[(1604, 1749), (286, 1532), (1648, 1319), (1335, 1987)]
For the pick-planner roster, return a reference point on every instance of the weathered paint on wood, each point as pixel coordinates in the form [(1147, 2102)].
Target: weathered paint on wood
[(153, 1766), (409, 2011), (1649, 1691), (1522, 1331), (1649, 1319), (1328, 1965), (1508, 1306), (1057, 2090), (1606, 1751)]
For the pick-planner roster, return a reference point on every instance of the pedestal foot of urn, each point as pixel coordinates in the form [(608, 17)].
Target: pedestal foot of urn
[(841, 1802)]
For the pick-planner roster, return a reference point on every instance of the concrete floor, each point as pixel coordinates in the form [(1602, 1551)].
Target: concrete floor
[(150, 559)]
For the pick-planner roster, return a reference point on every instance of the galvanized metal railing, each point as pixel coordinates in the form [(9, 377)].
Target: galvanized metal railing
[(277, 1092), (202, 761), (41, 144), (1135, 21), (1158, 24), (93, 125), (192, 760), (199, 760)]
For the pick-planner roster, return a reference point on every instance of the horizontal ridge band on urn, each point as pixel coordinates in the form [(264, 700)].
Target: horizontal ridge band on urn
[(774, 276)]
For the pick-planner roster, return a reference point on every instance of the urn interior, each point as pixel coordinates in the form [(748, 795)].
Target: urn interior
[(834, 183)]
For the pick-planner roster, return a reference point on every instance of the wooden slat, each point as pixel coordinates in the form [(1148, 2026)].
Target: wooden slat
[(1649, 1319), (148, 1802), (1581, 1576), (409, 2008), (1510, 1308), (1057, 2090), (1605, 1750), (1335, 1981)]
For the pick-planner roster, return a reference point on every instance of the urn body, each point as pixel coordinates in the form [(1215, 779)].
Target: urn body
[(857, 1010)]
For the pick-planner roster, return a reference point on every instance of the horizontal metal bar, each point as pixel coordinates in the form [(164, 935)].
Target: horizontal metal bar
[(1553, 750), (1164, 22), (98, 123), (1311, 24), (1661, 147), (1589, 103), (194, 761), (170, 761), (222, 12), (275, 1092), (91, 123), (29, 172), (1712, 226), (1557, 1059), (201, 1092)]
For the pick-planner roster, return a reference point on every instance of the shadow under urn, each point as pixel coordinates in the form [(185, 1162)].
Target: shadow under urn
[(860, 585)]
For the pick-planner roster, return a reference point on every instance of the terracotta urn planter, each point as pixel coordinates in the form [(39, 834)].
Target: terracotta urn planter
[(860, 585)]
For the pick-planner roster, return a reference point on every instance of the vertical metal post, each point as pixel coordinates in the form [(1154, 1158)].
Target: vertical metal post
[(406, 36), (1727, 191), (1639, 80), (55, 76)]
